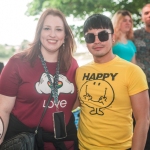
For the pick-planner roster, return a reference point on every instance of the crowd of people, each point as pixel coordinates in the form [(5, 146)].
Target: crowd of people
[(112, 91)]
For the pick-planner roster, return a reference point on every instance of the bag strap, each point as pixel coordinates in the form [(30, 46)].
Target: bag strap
[(54, 88), (43, 114)]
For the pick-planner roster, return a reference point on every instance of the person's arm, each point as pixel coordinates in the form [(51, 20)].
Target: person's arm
[(133, 59), (140, 106), (6, 105), (76, 104)]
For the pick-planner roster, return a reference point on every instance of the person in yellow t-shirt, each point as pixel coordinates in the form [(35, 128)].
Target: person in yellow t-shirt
[(109, 90)]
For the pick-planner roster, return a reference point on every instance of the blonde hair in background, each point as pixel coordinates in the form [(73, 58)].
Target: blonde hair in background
[(116, 20)]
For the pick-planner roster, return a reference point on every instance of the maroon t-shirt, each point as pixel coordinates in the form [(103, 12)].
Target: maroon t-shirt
[(31, 87)]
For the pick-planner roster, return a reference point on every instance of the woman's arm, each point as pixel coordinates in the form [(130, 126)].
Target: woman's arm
[(133, 59), (6, 106), (76, 104)]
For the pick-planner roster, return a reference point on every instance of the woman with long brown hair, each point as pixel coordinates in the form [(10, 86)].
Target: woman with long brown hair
[(46, 69)]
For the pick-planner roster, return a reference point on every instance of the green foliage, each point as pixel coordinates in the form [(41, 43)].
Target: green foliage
[(82, 8), (6, 51), (24, 45)]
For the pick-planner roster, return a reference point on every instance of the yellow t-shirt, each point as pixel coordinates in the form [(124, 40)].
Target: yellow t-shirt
[(104, 92)]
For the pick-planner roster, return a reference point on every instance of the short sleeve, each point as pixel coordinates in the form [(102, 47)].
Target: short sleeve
[(136, 80), (10, 80)]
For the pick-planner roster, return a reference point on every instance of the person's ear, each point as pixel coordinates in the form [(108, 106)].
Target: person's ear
[(141, 17), (113, 38)]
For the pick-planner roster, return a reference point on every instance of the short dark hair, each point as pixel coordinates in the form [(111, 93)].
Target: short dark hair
[(146, 5), (97, 21)]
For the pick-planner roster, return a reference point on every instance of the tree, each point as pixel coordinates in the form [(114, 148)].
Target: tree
[(6, 51), (80, 9), (24, 45)]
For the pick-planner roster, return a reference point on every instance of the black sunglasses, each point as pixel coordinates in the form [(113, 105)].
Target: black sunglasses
[(102, 36)]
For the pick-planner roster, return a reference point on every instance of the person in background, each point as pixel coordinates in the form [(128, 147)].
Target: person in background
[(142, 43), (123, 30), (1, 66), (27, 80), (109, 90)]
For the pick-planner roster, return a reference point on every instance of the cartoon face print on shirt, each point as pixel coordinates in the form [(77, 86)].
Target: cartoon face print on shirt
[(64, 85), (97, 94)]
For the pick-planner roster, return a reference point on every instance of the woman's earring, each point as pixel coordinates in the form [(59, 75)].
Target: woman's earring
[(63, 46), (39, 45)]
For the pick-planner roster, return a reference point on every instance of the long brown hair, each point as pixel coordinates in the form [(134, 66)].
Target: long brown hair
[(119, 15), (65, 52)]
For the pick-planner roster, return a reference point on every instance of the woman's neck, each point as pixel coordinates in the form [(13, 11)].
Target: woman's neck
[(123, 38), (50, 56)]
